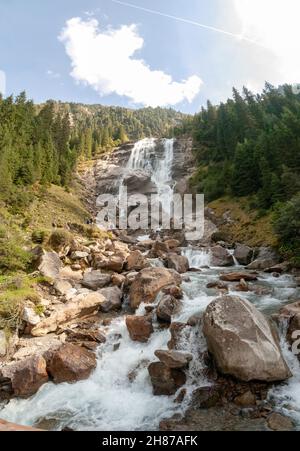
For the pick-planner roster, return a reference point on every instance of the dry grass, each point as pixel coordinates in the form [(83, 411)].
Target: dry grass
[(247, 226)]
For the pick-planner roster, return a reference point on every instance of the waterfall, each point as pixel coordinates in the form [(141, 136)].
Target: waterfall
[(197, 258), (144, 157)]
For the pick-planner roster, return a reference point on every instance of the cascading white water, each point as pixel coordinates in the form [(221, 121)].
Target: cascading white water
[(144, 156), (197, 258)]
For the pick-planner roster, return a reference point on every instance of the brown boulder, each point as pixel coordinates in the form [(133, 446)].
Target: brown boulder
[(26, 376), (174, 359), (172, 244), (167, 307), (136, 261), (166, 381), (242, 341), (278, 422), (148, 284), (71, 363), (159, 249), (178, 262), (140, 328), (118, 280), (238, 276)]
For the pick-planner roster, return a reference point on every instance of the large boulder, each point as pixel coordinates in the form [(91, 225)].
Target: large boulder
[(242, 341), (166, 381), (136, 261), (266, 259), (159, 249), (80, 305), (50, 265), (221, 257), (94, 280), (174, 359), (291, 314), (113, 299), (178, 262), (71, 363), (148, 284), (26, 376), (168, 306), (243, 254), (140, 328)]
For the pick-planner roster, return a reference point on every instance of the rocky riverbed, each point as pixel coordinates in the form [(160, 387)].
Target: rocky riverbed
[(141, 332)]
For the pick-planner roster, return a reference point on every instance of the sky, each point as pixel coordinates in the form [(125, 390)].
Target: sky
[(137, 53)]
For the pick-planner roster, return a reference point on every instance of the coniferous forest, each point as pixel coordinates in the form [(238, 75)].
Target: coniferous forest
[(250, 146)]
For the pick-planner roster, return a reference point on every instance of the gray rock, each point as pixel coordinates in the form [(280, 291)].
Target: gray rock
[(243, 254), (242, 341), (94, 280), (221, 257), (113, 299), (50, 265)]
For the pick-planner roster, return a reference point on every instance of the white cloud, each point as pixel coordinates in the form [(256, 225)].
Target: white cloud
[(275, 25), (104, 59)]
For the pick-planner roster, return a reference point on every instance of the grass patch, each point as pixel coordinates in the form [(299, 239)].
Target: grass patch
[(248, 225)]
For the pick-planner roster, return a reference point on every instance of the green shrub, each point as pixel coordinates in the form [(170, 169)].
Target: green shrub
[(13, 257), (60, 238), (39, 236)]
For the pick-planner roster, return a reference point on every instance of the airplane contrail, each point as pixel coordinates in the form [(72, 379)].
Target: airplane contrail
[(190, 22)]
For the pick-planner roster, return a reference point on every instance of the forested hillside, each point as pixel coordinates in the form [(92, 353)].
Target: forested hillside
[(43, 143), (250, 146)]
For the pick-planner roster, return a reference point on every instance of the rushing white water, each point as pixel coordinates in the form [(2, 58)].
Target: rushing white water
[(145, 156), (197, 258)]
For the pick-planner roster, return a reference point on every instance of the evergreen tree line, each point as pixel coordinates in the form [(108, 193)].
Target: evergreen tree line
[(42, 143), (250, 146)]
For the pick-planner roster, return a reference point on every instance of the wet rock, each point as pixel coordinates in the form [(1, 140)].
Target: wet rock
[(165, 381), (174, 359), (178, 262), (247, 399), (243, 286), (140, 328), (176, 330), (80, 305), (278, 422), (243, 254), (94, 280), (218, 285), (238, 276), (130, 277), (149, 282), (50, 265), (26, 376), (266, 259), (167, 307), (206, 397), (6, 426), (194, 320), (71, 363), (113, 299), (174, 291), (221, 257), (242, 341), (136, 261)]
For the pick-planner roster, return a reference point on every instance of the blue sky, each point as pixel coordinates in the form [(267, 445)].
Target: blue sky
[(99, 51)]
